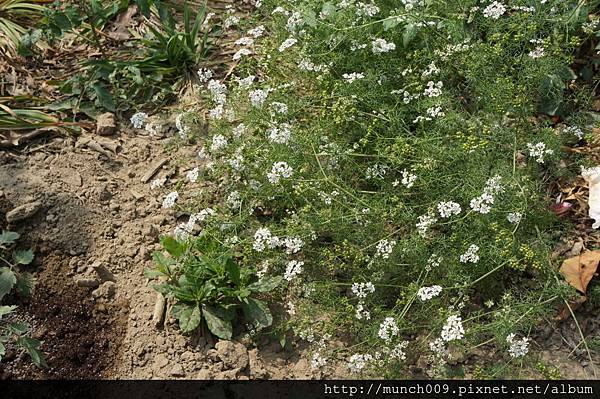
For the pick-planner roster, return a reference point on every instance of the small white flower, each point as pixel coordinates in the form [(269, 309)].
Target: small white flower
[(538, 151), (192, 175), (170, 199), (398, 351), (278, 171), (453, 329), (494, 11), (388, 329), (408, 179), (287, 44), (204, 75), (426, 293), (219, 142), (258, 97), (380, 46), (385, 248), (538, 52), (361, 290), (514, 217), (351, 77), (292, 269), (139, 119), (471, 255), (448, 208), (518, 347)]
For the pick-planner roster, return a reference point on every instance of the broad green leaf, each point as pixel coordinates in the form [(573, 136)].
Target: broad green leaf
[(172, 246), (32, 347), (257, 312), (4, 310), (7, 281), (410, 31), (265, 284), (164, 289), (25, 283), (219, 327), (189, 318), (390, 23), (233, 270), (8, 237), (18, 328), (23, 257), (103, 97), (152, 273)]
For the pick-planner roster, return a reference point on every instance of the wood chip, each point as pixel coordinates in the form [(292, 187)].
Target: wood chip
[(153, 169)]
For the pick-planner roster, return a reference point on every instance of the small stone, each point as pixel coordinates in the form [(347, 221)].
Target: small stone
[(23, 211), (87, 282), (204, 374), (177, 371), (106, 290), (106, 124)]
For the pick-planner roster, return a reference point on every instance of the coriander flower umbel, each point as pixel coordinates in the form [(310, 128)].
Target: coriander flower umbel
[(538, 151), (380, 46), (514, 217), (398, 351), (470, 255), (278, 171), (258, 97), (170, 199), (289, 42), (494, 10), (358, 362), (139, 119), (453, 329), (385, 248), (361, 290), (218, 143), (192, 175), (388, 329), (518, 347), (448, 208), (292, 269), (426, 293)]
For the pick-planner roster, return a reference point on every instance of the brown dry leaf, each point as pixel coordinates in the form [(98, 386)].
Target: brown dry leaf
[(579, 270)]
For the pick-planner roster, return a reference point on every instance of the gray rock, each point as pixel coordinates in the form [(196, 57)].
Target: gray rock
[(23, 212), (106, 124), (233, 355), (87, 282)]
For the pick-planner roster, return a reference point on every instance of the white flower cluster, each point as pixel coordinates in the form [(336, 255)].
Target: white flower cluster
[(470, 255), (518, 347), (183, 230), (448, 208), (388, 329), (292, 244), (139, 119), (379, 46), (192, 175), (280, 134), (397, 351), (514, 217), (204, 75), (257, 32), (234, 201), (361, 312), (575, 131), (170, 199), (408, 179), (423, 224), (278, 108), (289, 42), (318, 361), (361, 290), (537, 52), (385, 248), (358, 362), (433, 262), (494, 10), (410, 4), (351, 77), (292, 269), (278, 171), (258, 97), (538, 151), (453, 329), (219, 142), (366, 10), (483, 203), (426, 293), (434, 89), (264, 238)]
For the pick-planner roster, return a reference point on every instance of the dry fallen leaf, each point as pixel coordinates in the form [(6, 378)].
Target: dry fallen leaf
[(565, 312), (579, 270)]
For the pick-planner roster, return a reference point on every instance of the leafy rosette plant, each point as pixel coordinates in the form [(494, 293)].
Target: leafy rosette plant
[(209, 286)]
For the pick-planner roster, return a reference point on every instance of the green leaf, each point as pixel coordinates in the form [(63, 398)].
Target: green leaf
[(233, 270), (7, 281), (23, 257), (153, 273), (18, 328), (189, 317), (172, 246), (32, 347), (219, 327), (266, 284), (410, 32), (4, 310), (103, 97), (25, 283), (8, 237), (2, 350), (257, 312), (390, 23)]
